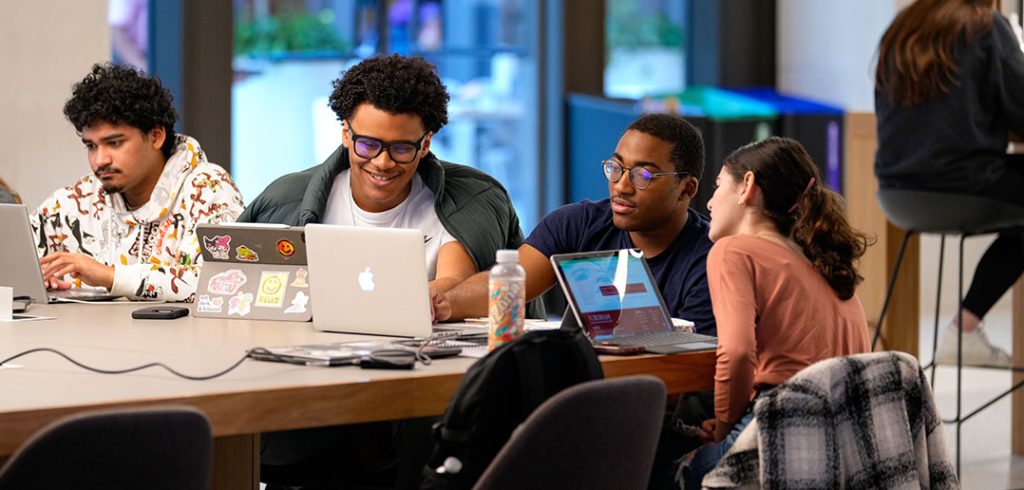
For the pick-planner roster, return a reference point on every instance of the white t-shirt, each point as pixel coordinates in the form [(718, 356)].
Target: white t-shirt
[(415, 212)]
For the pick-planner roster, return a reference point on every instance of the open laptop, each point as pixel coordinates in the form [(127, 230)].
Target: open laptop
[(614, 298), (369, 280), (253, 271), (19, 264)]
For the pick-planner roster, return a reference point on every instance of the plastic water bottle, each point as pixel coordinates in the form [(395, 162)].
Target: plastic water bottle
[(506, 299)]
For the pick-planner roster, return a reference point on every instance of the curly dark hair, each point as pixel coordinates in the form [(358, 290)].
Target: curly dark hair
[(687, 144), (803, 208), (122, 95), (394, 84)]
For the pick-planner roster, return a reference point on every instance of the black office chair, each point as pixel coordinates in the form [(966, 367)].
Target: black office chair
[(154, 448), (946, 214), (598, 434)]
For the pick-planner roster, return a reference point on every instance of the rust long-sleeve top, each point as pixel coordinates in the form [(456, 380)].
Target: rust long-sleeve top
[(776, 315)]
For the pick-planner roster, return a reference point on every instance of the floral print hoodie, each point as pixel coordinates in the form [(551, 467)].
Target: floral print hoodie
[(154, 249)]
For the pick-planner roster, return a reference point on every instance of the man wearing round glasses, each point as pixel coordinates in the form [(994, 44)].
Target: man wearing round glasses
[(384, 175), (652, 176)]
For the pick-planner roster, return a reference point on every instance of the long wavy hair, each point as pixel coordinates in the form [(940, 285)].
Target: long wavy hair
[(10, 190), (916, 55), (803, 208)]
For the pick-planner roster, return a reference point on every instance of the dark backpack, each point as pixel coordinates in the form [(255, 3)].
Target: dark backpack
[(497, 393)]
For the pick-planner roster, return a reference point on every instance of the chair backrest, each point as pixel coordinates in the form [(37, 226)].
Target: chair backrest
[(598, 434), (946, 212), (496, 395), (155, 448)]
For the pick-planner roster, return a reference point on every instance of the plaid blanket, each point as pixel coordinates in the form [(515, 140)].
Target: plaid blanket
[(858, 422)]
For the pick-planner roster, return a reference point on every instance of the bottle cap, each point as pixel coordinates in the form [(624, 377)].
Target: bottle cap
[(506, 256)]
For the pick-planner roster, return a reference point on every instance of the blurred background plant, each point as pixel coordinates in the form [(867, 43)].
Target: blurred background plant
[(633, 24), (293, 33)]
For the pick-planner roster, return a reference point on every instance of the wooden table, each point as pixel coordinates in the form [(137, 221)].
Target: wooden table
[(256, 397)]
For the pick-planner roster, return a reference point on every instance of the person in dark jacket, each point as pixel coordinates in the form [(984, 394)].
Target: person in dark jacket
[(384, 174), (949, 88)]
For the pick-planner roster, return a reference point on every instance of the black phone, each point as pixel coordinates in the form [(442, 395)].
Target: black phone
[(160, 313)]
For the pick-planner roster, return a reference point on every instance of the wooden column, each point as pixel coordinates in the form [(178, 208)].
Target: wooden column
[(902, 324)]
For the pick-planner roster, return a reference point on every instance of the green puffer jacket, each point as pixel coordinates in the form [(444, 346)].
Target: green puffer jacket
[(472, 206)]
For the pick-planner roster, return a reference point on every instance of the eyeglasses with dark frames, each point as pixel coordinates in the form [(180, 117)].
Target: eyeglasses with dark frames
[(399, 151), (639, 177)]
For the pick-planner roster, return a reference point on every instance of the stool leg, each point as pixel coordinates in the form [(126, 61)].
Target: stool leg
[(938, 303), (888, 291), (959, 347)]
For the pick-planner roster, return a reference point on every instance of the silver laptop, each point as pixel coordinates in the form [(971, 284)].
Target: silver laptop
[(19, 264), (368, 280), (614, 298), (253, 271)]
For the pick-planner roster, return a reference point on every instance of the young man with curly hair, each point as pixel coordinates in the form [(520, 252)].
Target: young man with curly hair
[(129, 225), (384, 175)]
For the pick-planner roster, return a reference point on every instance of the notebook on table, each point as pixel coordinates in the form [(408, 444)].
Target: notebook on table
[(19, 264), (615, 300), (253, 271)]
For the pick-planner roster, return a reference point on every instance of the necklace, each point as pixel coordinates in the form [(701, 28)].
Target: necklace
[(394, 217)]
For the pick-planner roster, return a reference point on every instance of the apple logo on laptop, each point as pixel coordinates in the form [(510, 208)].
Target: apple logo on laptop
[(366, 280)]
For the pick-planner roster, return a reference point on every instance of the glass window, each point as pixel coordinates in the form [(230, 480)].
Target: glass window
[(645, 53), (129, 32), (288, 52)]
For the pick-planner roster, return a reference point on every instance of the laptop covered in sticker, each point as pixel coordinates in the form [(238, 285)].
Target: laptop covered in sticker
[(614, 298), (253, 271)]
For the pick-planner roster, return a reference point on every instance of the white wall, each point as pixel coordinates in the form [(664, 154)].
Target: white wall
[(826, 48), (45, 46)]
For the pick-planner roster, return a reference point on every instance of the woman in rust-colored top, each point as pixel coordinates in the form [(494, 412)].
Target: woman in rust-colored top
[(782, 277)]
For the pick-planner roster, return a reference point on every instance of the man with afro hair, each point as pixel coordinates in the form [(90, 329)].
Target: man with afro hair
[(129, 226), (384, 175)]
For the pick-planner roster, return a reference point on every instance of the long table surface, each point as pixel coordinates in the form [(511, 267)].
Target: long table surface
[(255, 397)]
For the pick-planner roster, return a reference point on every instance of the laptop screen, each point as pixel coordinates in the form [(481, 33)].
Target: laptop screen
[(612, 293)]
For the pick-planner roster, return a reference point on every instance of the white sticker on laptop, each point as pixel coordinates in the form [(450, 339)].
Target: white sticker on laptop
[(299, 303), (227, 282), (240, 304), (206, 304)]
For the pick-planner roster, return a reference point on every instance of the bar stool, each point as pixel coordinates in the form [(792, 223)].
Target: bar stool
[(946, 213)]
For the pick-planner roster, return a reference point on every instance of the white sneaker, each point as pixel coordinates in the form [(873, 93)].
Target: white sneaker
[(977, 350)]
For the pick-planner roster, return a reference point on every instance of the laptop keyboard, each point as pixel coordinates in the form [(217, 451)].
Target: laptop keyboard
[(659, 338)]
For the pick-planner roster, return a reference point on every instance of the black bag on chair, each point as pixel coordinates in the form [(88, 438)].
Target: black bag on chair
[(497, 394)]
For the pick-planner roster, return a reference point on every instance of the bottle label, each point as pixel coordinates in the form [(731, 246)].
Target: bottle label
[(506, 312)]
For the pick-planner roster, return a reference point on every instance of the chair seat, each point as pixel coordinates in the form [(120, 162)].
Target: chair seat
[(948, 213)]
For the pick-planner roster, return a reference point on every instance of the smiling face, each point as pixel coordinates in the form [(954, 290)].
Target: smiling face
[(379, 184), (125, 159), (664, 201)]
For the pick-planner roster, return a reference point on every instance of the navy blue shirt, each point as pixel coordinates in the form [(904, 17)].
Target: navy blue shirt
[(680, 270)]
